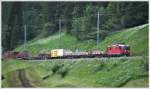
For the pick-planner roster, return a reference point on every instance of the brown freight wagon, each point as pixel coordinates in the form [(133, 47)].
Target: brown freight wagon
[(10, 55)]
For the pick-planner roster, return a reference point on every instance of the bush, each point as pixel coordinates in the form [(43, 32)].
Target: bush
[(63, 71), (56, 67), (115, 64), (45, 77)]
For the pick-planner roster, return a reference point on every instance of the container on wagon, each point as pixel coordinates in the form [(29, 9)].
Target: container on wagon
[(54, 53), (60, 52)]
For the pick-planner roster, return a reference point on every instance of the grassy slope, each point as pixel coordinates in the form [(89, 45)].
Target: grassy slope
[(52, 42), (114, 72), (84, 73), (136, 37)]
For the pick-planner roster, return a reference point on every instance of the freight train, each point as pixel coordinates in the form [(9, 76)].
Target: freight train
[(111, 51)]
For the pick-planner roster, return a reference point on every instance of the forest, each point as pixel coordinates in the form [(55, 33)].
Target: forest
[(78, 19)]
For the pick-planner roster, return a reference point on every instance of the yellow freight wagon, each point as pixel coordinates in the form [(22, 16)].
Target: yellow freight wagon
[(54, 53)]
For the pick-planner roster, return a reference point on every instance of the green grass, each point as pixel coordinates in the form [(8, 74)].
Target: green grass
[(12, 65), (115, 72), (11, 79), (136, 37), (137, 83)]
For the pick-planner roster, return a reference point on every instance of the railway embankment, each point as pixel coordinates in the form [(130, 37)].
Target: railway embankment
[(94, 72)]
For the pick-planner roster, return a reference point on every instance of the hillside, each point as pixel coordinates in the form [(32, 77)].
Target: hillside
[(104, 72), (89, 72), (136, 37)]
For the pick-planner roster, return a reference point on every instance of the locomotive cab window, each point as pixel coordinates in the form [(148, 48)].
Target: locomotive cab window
[(126, 47)]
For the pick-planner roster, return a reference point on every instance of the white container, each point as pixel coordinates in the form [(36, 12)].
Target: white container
[(59, 52)]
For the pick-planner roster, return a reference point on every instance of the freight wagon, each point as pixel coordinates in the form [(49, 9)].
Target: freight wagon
[(10, 55), (23, 55)]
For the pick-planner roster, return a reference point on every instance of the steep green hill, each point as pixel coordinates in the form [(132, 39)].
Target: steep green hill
[(89, 72), (136, 37)]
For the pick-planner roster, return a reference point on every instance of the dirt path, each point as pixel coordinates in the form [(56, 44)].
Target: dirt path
[(13, 79), (23, 79)]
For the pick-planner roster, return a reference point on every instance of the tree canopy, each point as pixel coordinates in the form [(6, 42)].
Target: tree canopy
[(77, 18)]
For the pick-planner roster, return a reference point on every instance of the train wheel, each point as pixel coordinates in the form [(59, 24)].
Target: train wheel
[(127, 55)]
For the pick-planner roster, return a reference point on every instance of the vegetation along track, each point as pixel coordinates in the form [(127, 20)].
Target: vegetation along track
[(22, 76), (99, 58)]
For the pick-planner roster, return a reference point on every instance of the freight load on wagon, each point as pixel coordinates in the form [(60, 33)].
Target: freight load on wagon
[(23, 55)]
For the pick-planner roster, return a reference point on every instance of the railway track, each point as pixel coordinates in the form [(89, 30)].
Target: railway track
[(89, 59), (62, 58)]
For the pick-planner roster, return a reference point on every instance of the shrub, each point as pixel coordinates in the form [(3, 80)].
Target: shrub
[(63, 71), (115, 64), (55, 68), (45, 77), (3, 77)]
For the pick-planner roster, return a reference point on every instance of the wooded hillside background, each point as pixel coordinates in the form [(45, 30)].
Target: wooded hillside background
[(78, 19)]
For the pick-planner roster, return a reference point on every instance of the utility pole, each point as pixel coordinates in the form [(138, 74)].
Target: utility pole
[(25, 32), (97, 29), (25, 37), (60, 32)]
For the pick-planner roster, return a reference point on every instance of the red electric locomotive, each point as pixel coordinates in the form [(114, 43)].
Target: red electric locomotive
[(118, 50)]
